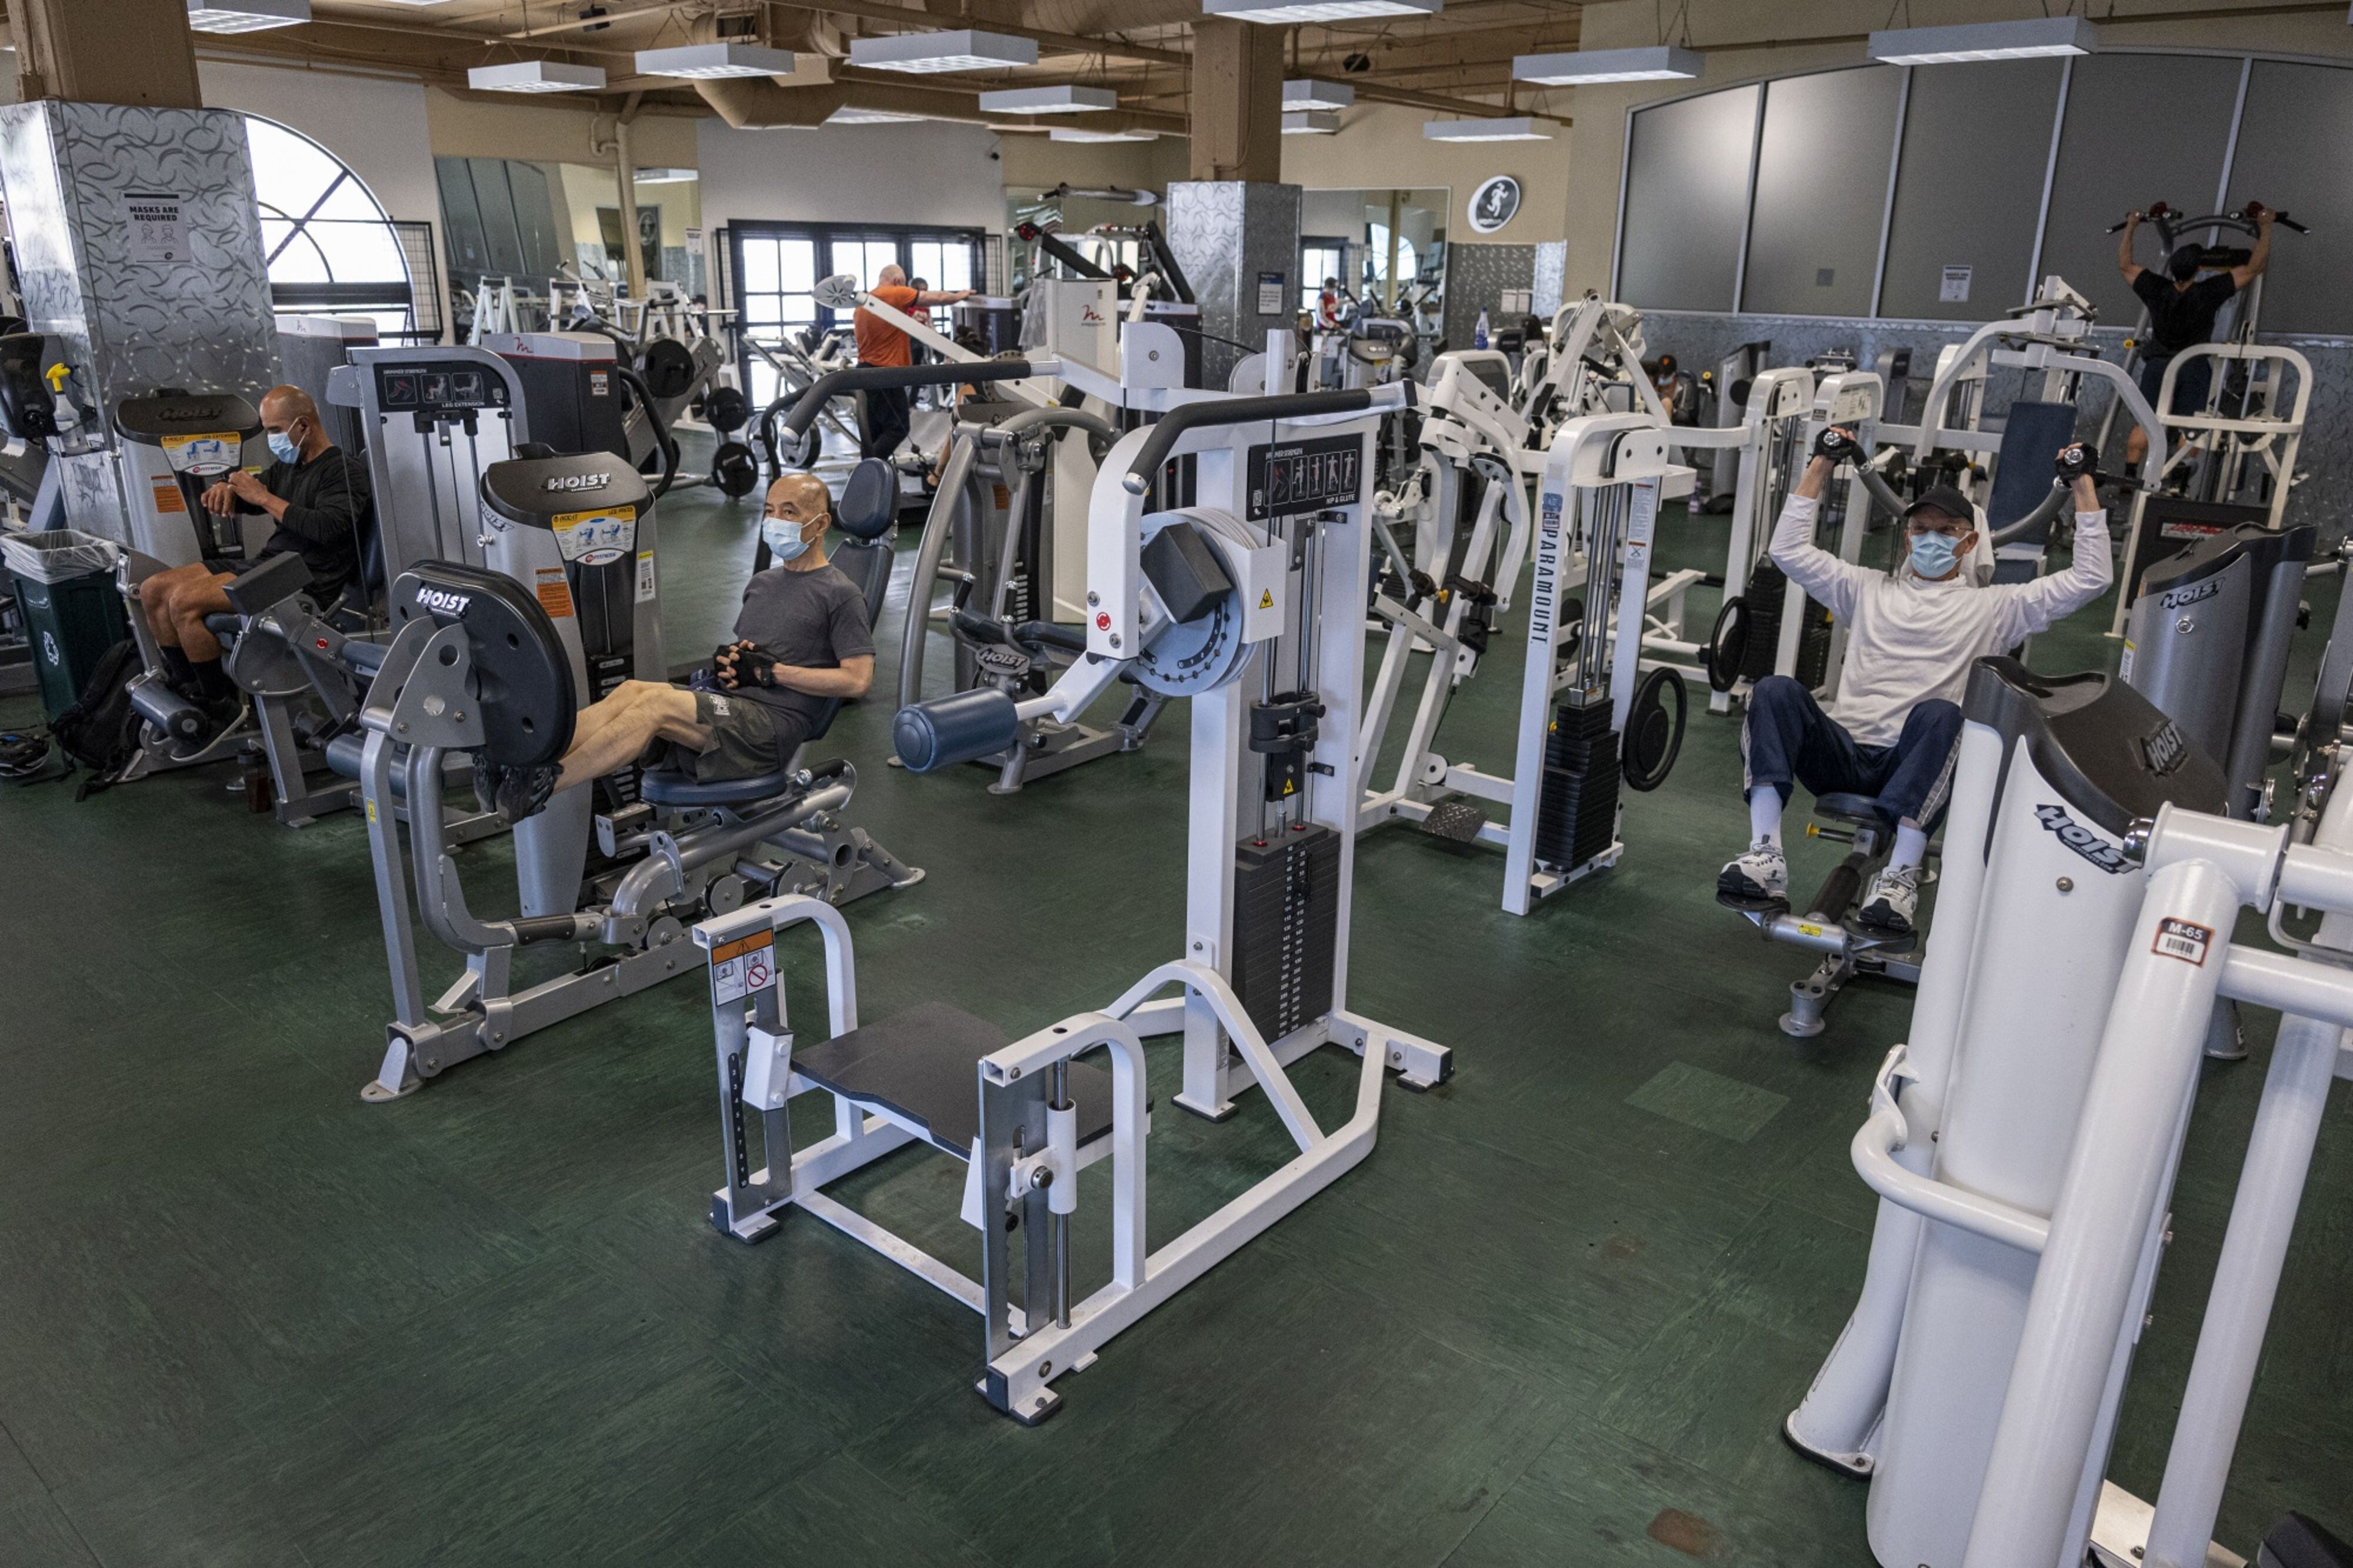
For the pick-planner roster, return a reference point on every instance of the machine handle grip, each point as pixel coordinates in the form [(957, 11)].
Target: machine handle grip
[(1232, 410), (834, 382), (832, 768), (543, 928)]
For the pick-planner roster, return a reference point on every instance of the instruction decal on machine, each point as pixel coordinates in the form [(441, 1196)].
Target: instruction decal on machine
[(645, 576), (554, 593), (597, 538), (2184, 940), (1953, 287), (2083, 840), (155, 224), (1304, 475), (740, 967)]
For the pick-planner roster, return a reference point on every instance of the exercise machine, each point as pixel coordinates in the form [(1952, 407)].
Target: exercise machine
[(491, 658), (1247, 600), (2024, 1141), (1590, 720)]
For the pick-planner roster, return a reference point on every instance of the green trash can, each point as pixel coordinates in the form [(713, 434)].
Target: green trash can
[(64, 582)]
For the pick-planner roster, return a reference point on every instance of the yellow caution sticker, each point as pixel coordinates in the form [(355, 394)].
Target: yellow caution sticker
[(1266, 599)]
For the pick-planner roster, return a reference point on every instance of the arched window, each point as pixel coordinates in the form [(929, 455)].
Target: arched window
[(329, 244)]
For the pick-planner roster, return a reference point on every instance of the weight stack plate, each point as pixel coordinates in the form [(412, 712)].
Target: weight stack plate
[(1286, 927), (1577, 814), (1814, 646), (1766, 585)]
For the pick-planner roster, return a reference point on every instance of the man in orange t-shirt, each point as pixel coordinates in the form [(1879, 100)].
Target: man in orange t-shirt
[(879, 342)]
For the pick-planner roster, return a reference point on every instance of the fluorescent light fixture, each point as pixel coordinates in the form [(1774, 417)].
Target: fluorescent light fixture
[(1071, 133), (968, 50), (1294, 11), (1311, 122), (1049, 101), (1523, 128), (1664, 62), (537, 76), (850, 114), (245, 15), (705, 62), (1309, 93), (667, 176), (2029, 39)]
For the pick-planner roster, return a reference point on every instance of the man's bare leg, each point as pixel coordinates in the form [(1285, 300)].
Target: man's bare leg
[(192, 599), (636, 714), (159, 597)]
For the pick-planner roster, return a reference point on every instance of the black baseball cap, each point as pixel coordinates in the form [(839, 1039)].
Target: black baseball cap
[(1947, 499)]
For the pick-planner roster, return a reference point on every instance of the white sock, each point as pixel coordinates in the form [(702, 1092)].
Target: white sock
[(1911, 846), (1764, 815)]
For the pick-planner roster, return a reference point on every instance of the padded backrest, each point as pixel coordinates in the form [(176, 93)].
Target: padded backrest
[(2032, 436), (867, 562), (869, 500)]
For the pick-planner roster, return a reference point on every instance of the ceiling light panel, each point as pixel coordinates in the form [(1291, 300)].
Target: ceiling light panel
[(1073, 133), (1049, 101), (1311, 122), (1311, 11), (1663, 63), (705, 62), (2034, 38), (1308, 94), (968, 50), (537, 76), (1520, 128), (245, 15)]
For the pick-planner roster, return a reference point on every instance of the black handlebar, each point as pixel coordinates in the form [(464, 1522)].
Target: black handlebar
[(1234, 411), (834, 382)]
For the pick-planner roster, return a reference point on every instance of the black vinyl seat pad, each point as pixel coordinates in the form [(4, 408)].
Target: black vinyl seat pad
[(921, 1065)]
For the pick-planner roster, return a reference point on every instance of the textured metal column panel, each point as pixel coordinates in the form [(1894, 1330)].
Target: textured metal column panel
[(202, 321), (1476, 276), (1551, 277), (1226, 232)]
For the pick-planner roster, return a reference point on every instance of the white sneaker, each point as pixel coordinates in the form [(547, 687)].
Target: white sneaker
[(1891, 901), (1762, 873)]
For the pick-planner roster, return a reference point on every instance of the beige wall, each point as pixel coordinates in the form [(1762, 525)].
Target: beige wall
[(472, 126), (1383, 145), (1775, 35)]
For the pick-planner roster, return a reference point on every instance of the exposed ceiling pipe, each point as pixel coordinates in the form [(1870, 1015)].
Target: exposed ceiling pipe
[(758, 103)]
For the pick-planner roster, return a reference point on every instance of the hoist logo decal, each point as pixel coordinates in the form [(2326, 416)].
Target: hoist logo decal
[(442, 601), (595, 481), (2163, 748), (2191, 596), (2083, 840)]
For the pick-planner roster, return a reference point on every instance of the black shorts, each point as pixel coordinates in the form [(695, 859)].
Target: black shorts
[(747, 738)]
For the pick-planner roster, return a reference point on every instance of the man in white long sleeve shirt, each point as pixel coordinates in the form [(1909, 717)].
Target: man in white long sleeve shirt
[(1892, 730)]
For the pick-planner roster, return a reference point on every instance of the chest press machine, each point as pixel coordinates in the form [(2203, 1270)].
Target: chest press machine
[(491, 659), (1256, 614)]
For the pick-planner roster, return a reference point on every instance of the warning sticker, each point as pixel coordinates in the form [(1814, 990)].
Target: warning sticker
[(741, 967), (1266, 599), (2181, 939), (554, 595), (168, 499), (645, 576)]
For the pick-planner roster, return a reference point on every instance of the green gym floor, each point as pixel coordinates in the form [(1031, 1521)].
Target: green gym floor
[(1555, 1318)]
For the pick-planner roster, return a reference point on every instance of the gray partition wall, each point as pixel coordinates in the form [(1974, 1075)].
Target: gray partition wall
[(1968, 189), (2005, 172), (1822, 166), (2140, 129), (2294, 152), (1686, 207)]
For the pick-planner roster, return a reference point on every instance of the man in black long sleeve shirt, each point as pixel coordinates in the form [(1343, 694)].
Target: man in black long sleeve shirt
[(318, 496)]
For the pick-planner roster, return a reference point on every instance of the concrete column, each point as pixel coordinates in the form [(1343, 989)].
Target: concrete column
[(1234, 239), (137, 52), (1236, 122)]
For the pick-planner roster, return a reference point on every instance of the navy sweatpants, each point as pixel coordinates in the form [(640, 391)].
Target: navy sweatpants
[(1787, 738)]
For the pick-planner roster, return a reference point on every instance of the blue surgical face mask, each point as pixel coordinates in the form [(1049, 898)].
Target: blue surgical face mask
[(1933, 555), (784, 537), (284, 448)]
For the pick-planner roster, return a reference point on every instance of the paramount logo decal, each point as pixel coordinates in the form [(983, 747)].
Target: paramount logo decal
[(1544, 609), (442, 601), (597, 482), (2083, 840)]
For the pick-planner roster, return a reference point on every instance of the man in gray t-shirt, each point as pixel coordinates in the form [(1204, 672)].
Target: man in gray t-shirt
[(801, 643)]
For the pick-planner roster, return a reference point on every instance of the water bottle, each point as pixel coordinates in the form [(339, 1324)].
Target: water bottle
[(1479, 332)]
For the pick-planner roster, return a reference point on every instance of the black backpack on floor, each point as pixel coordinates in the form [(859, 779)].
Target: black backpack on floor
[(100, 731)]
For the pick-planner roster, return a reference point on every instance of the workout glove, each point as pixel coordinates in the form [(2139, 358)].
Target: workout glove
[(1838, 445), (2076, 461)]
